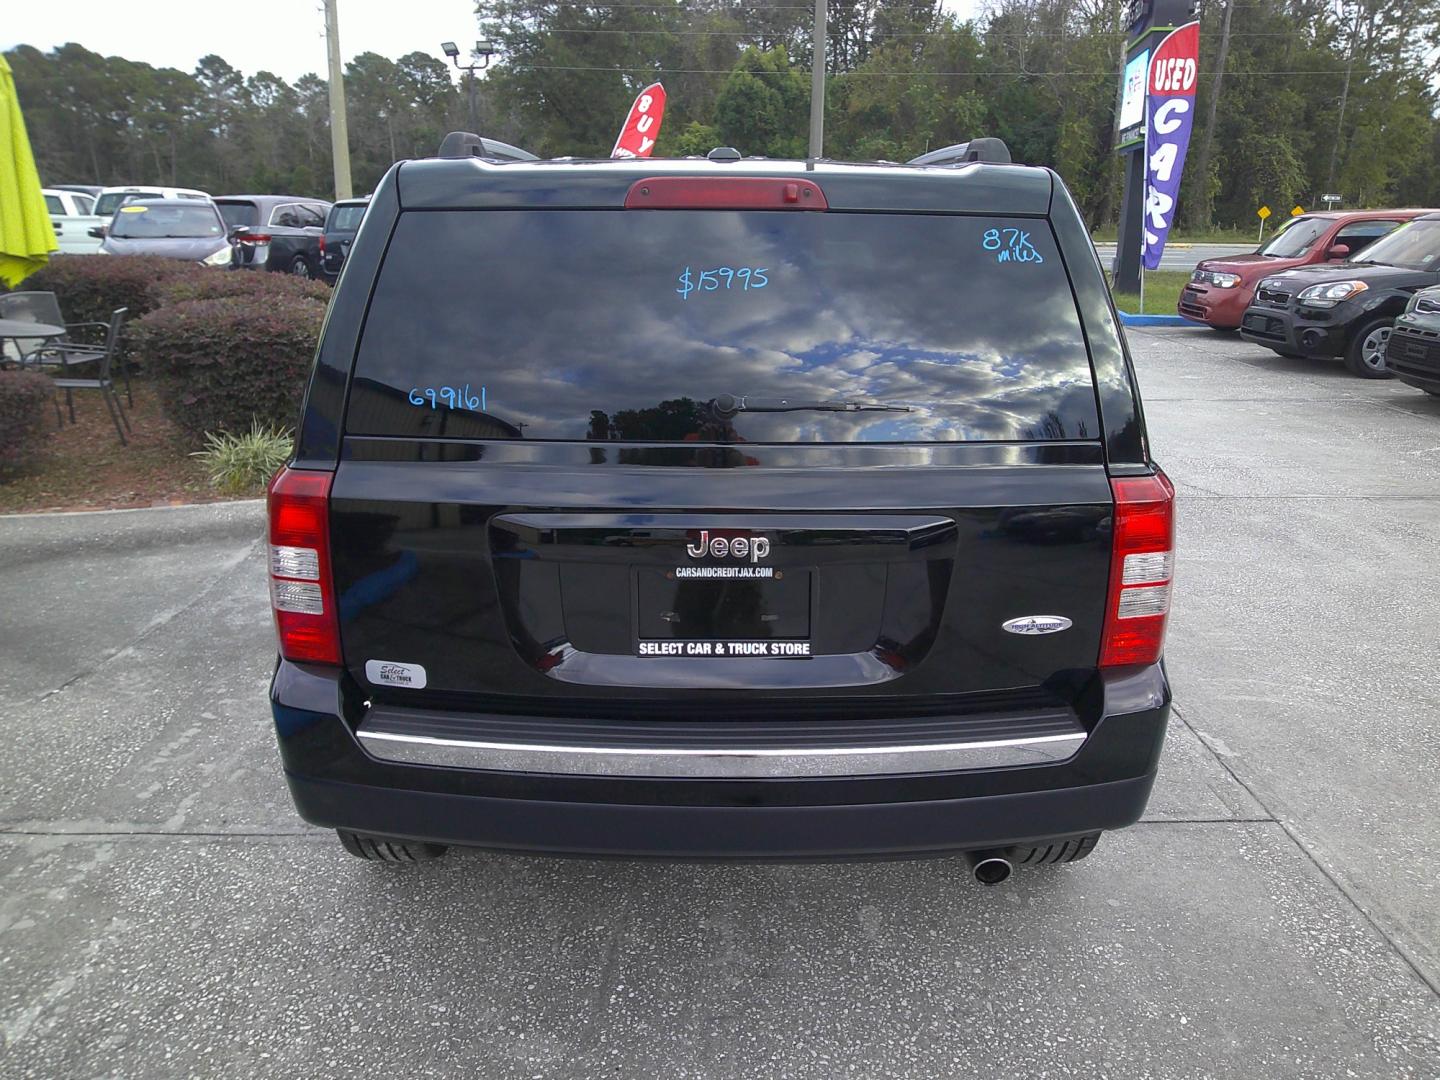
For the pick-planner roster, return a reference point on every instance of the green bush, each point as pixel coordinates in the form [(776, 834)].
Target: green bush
[(260, 284), (90, 287), (230, 362), (24, 398), (244, 463)]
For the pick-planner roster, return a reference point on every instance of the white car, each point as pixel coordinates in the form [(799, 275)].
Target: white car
[(72, 213), (112, 198)]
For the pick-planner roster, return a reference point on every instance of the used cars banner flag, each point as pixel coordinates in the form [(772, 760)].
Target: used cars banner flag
[(1169, 116), (642, 126)]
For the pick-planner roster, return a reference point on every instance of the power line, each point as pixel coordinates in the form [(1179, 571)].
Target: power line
[(894, 74), (1015, 36)]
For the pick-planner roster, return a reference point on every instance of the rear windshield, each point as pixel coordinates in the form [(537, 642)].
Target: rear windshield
[(344, 219), (661, 325), (108, 203), (238, 213), (138, 220)]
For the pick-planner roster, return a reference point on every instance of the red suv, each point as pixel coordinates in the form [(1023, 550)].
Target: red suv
[(1220, 290)]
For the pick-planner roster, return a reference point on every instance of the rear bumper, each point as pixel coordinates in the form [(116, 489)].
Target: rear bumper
[(253, 257), (867, 830), (336, 783)]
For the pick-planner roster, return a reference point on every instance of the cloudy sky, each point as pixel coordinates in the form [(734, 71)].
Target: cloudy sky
[(283, 36)]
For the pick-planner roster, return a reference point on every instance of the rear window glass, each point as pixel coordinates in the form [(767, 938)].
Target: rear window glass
[(108, 203), (654, 325), (138, 221), (238, 213), (344, 219)]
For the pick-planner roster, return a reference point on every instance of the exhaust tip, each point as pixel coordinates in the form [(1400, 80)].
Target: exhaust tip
[(989, 867)]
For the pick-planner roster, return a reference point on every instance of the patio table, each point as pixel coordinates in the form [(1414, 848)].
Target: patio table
[(20, 329)]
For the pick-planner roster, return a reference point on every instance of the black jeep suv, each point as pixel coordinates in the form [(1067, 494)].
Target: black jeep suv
[(722, 508)]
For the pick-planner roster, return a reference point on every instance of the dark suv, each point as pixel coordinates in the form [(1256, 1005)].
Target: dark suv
[(722, 508), (1413, 352), (341, 225)]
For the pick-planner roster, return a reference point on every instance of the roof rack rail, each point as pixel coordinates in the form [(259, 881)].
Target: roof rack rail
[(464, 144), (991, 150)]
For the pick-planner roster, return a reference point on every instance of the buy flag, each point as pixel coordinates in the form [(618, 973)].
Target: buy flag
[(642, 126)]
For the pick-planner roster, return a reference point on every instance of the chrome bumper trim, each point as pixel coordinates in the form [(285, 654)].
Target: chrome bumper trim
[(719, 763)]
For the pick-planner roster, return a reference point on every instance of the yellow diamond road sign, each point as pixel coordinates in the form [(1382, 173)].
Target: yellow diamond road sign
[(1263, 212), (1296, 211)]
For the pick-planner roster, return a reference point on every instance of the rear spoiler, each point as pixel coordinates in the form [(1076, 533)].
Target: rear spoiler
[(992, 150), (465, 144)]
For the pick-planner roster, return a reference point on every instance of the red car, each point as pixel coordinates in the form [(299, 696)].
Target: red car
[(1220, 290)]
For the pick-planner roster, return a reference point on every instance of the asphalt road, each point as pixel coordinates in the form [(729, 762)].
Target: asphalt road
[(1181, 256), (1277, 913)]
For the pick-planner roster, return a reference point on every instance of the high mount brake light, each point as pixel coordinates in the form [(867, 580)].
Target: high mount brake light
[(302, 588), (725, 193), (1142, 563)]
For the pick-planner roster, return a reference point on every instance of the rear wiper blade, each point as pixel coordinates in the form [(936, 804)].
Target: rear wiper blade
[(727, 405)]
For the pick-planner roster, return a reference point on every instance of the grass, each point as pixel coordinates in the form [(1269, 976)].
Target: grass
[(243, 464), (84, 467), (1162, 290)]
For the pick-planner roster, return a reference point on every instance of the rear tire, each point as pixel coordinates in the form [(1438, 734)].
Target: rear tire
[(300, 268), (1365, 355), (380, 849), (1050, 852)]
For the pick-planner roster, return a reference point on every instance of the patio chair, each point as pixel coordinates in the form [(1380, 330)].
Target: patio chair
[(44, 307), (105, 355)]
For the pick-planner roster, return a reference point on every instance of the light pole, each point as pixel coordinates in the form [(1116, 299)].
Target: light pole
[(480, 59)]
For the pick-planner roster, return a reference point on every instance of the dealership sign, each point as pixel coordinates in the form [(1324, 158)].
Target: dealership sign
[(642, 126), (1169, 116)]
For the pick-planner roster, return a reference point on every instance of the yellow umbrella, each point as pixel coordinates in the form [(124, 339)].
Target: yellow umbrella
[(26, 237)]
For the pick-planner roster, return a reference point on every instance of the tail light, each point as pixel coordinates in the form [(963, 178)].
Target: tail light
[(302, 590), (322, 245), (254, 238), (1142, 563), (724, 193)]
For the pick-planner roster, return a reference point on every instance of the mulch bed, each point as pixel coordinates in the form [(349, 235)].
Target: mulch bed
[(84, 467)]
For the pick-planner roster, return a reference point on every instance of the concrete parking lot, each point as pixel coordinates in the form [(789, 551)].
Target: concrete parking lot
[(1277, 913)]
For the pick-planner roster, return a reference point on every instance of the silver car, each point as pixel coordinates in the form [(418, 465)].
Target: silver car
[(172, 228)]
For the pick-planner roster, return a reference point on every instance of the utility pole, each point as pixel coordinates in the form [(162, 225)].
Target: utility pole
[(1353, 34), (817, 85), (1204, 214), (339, 133)]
